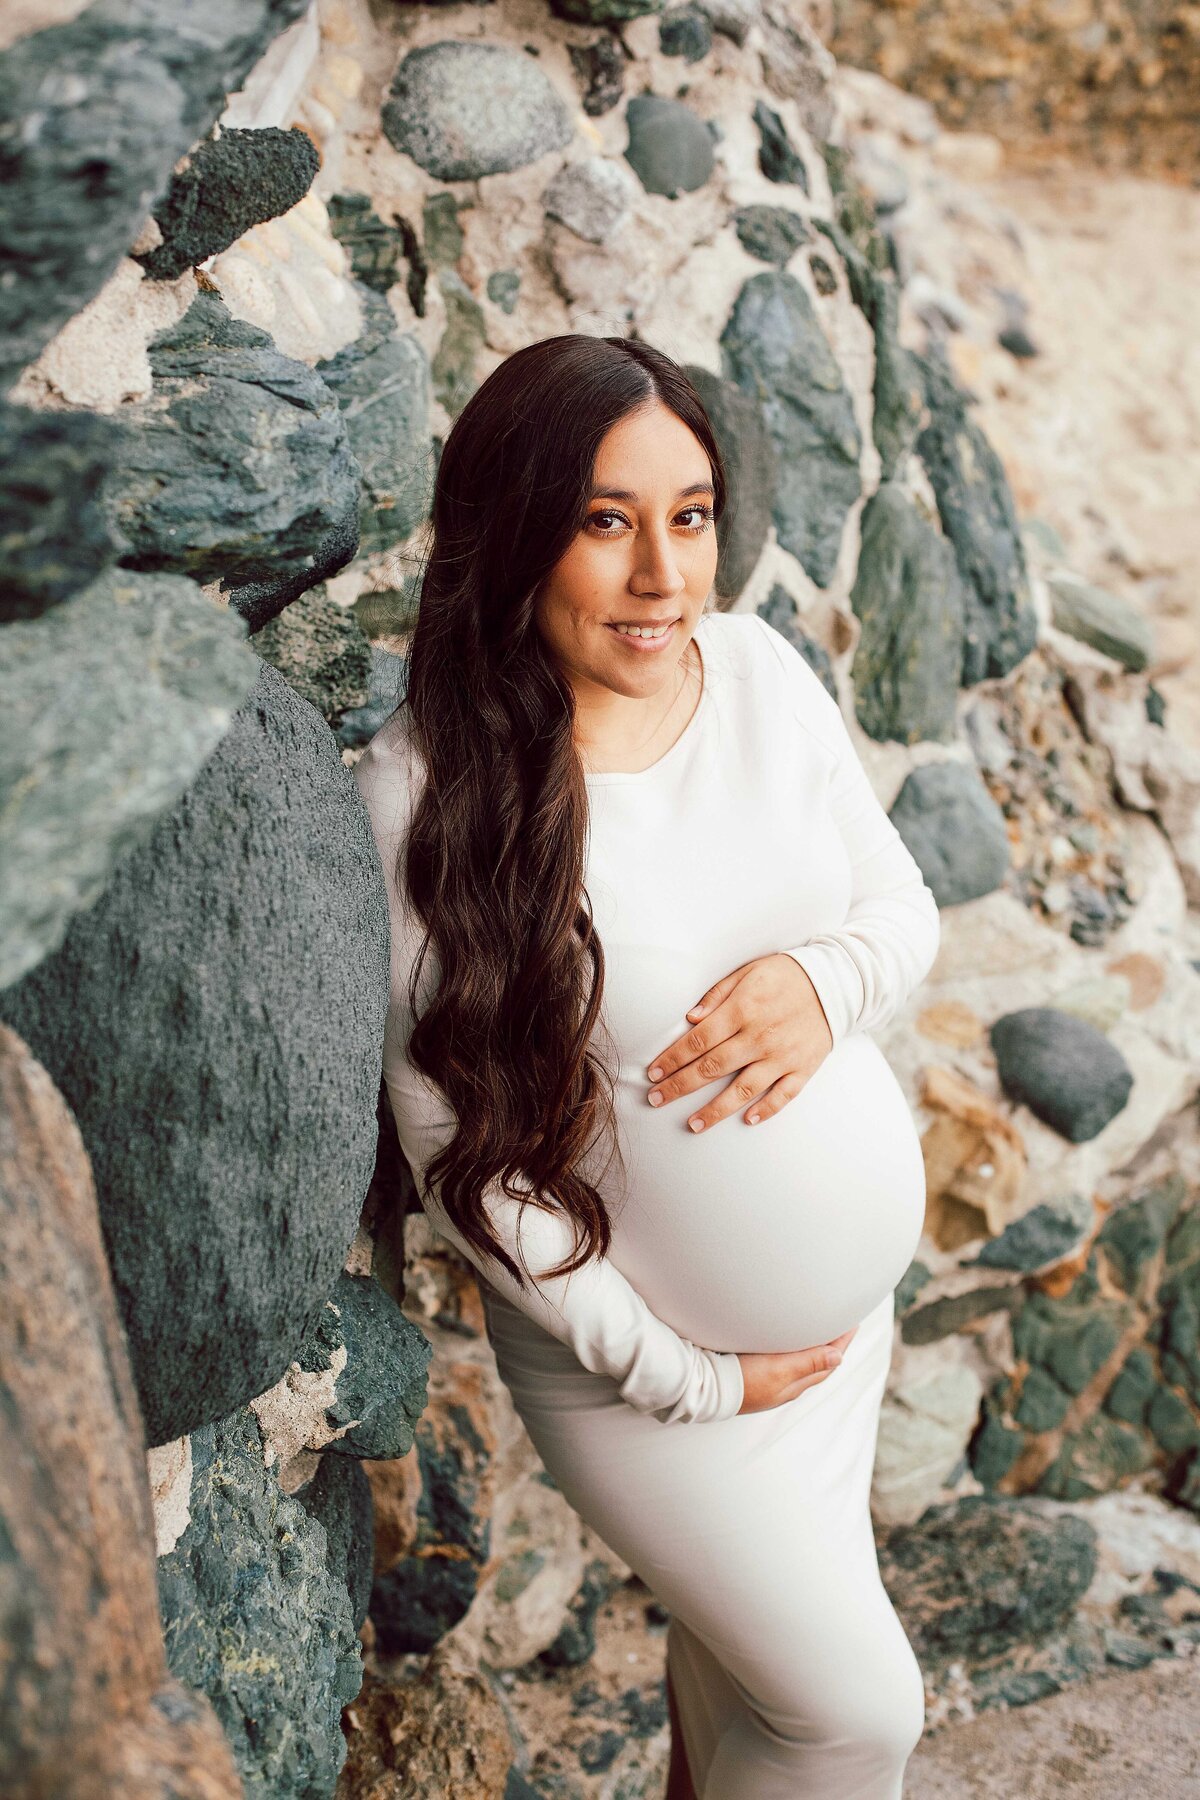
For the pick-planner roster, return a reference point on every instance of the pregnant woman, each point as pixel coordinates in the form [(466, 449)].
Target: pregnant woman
[(646, 911)]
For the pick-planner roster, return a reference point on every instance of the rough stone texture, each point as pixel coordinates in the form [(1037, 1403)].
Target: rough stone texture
[(319, 649), (978, 517), (954, 829), (237, 469), (1038, 1563), (382, 382), (389, 675), (216, 1023), (749, 458), (93, 116), (462, 110), (86, 1707), (592, 196), (1101, 619), (453, 368), (909, 598), (379, 1361), (111, 703), (773, 347), (227, 185), (1046, 1234), (254, 1618), (778, 158), (600, 71), (380, 253), (1062, 1068), (55, 537), (443, 1734), (670, 150), (771, 233), (339, 1497)]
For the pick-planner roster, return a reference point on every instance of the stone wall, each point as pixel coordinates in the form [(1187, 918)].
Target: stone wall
[(254, 265)]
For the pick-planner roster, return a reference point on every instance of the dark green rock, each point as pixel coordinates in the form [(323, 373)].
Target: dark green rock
[(749, 458), (994, 1448), (942, 1318), (1129, 1396), (1072, 1341), (380, 253), (503, 288), (978, 516), (576, 1642), (685, 31), (980, 1576), (237, 468), (382, 382), (1043, 1403), (319, 649), (909, 600), (381, 1388), (899, 386), (1137, 1229), (1045, 1234), (778, 158), (955, 831), (915, 1277), (339, 1498), (253, 1618), (55, 536), (1173, 1422), (443, 234), (1102, 1456), (454, 364), (1063, 1068), (111, 703), (215, 1022), (772, 233), (226, 186), (773, 347)]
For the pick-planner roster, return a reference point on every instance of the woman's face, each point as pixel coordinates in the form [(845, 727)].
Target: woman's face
[(646, 555)]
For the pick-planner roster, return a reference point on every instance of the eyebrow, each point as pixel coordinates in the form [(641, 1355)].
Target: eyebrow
[(697, 487)]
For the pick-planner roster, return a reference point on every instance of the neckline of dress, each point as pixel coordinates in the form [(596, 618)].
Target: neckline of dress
[(609, 776)]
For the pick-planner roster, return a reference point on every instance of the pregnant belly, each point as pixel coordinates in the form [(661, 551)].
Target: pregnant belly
[(779, 1235)]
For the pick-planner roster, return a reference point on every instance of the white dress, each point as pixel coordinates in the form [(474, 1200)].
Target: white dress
[(757, 832)]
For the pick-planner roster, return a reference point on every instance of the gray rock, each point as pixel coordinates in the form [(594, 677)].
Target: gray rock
[(670, 150), (980, 1576), (380, 1388), (899, 386), (603, 12), (319, 649), (389, 678), (94, 114), (383, 385), (778, 158), (771, 233), (779, 610), (593, 196), (909, 598), (111, 703), (1044, 1235), (1100, 619), (775, 350), (503, 288), (237, 468), (978, 517), (215, 1022), (600, 71), (453, 370), (955, 831), (685, 31), (339, 1498), (463, 110), (227, 185), (1062, 1068), (56, 536), (749, 458), (253, 1618)]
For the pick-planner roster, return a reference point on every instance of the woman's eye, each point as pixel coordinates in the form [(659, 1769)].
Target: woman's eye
[(704, 513)]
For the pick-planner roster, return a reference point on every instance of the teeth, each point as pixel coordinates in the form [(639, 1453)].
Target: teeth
[(642, 631)]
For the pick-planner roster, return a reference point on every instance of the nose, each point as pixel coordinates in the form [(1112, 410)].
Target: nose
[(657, 572)]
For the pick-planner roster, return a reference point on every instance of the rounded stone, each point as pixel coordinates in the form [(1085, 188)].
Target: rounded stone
[(463, 110)]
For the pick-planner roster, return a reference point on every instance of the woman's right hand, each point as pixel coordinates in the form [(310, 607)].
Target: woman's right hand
[(771, 1377)]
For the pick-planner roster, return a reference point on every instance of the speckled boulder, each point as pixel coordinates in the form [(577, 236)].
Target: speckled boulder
[(227, 185), (215, 1022), (237, 468), (462, 110), (378, 1360), (1064, 1070), (255, 1619), (55, 537), (110, 704)]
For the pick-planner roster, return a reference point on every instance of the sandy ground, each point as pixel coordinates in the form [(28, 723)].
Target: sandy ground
[(1132, 1736)]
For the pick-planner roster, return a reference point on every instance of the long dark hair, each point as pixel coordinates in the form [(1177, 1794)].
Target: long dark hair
[(494, 859)]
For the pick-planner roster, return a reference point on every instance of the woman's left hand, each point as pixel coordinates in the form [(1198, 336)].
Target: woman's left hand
[(762, 1022)]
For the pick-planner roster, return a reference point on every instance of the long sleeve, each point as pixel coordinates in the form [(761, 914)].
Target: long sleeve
[(865, 970), (594, 1310)]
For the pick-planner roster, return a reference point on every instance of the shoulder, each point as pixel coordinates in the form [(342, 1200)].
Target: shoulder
[(746, 643), (387, 776)]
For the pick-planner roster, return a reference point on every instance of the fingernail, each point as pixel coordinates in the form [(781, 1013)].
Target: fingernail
[(655, 1099), (696, 1124), (834, 1358), (655, 1072)]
